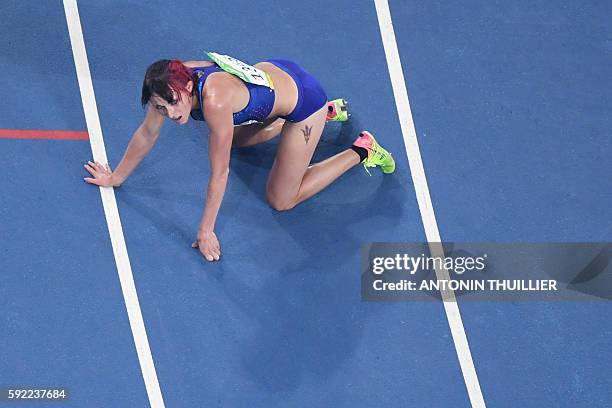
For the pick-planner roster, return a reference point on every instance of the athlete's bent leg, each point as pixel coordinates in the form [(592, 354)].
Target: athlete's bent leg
[(291, 179)]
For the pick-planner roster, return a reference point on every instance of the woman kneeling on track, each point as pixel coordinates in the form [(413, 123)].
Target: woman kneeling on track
[(244, 105)]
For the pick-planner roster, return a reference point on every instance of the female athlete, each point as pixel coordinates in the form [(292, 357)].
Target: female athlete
[(244, 105)]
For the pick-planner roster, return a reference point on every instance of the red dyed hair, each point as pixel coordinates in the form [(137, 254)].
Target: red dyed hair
[(163, 77)]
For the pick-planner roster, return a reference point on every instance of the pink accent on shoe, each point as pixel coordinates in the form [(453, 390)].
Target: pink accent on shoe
[(331, 111), (364, 140)]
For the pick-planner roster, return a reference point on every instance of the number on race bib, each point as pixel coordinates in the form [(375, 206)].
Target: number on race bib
[(242, 70)]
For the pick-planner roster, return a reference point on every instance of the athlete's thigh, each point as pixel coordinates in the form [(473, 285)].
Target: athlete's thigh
[(296, 147), (256, 133)]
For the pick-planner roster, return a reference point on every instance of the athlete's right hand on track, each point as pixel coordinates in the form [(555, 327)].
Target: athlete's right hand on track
[(208, 244), (102, 174)]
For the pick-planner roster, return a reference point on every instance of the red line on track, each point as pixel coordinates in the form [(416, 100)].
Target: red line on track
[(44, 134)]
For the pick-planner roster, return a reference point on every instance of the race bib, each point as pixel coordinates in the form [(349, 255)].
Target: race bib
[(246, 72)]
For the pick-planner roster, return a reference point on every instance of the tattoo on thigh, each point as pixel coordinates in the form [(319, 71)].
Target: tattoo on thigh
[(306, 131)]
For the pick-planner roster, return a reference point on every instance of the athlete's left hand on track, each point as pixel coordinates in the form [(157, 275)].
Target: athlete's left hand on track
[(208, 244)]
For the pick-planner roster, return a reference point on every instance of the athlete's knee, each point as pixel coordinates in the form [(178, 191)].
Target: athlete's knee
[(280, 203)]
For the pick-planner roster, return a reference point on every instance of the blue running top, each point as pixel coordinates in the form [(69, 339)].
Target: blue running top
[(259, 107)]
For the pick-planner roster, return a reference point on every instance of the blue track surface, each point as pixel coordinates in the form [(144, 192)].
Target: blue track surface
[(511, 106)]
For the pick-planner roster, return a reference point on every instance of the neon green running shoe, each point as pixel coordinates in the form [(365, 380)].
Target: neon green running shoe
[(377, 155), (337, 111)]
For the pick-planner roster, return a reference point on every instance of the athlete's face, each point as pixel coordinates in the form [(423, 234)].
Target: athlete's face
[(178, 110)]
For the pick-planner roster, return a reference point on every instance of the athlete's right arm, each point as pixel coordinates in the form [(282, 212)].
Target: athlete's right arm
[(140, 145)]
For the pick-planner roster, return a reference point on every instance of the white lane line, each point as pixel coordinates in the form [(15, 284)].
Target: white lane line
[(424, 200), (110, 207)]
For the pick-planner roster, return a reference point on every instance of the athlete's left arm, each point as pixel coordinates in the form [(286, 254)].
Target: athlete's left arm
[(218, 116)]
